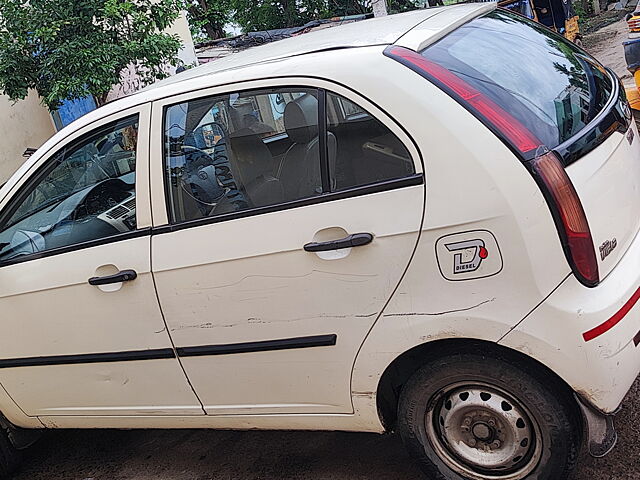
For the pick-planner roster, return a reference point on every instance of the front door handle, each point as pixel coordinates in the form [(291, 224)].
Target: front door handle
[(355, 240), (122, 276)]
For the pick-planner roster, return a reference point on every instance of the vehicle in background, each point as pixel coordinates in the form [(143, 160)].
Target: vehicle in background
[(558, 15), (632, 57)]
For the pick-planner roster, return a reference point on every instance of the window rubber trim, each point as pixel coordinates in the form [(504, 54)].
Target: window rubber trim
[(358, 190), (410, 181), (142, 232), (325, 175)]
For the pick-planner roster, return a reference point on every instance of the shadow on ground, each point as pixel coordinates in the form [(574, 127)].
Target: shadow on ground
[(211, 455)]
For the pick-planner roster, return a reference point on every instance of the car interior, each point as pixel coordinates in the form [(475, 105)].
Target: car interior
[(261, 148), (85, 193)]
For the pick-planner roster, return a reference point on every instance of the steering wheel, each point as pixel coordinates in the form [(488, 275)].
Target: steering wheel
[(195, 157), (200, 180)]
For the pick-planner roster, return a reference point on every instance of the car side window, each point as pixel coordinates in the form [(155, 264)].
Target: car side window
[(85, 192), (367, 151), (242, 150)]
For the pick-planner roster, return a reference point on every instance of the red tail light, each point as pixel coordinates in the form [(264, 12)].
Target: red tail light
[(561, 196), (570, 217), (490, 112)]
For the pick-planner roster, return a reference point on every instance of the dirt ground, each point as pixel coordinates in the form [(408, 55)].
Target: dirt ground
[(606, 45), (211, 455)]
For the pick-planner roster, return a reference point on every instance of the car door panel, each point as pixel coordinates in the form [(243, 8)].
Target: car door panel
[(249, 280), (262, 326), (60, 331)]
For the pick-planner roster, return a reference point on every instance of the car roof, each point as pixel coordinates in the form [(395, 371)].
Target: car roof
[(374, 31), (386, 30)]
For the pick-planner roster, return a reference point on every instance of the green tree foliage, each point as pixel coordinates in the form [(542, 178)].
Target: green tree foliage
[(268, 14), (68, 49), (208, 18), (357, 7)]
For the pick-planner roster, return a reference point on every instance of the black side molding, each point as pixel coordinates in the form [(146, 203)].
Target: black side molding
[(166, 353), (128, 356), (263, 346)]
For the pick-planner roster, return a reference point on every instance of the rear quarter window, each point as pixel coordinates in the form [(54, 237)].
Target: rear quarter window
[(546, 82)]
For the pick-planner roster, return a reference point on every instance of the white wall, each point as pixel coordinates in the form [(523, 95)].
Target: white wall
[(25, 124), (181, 28)]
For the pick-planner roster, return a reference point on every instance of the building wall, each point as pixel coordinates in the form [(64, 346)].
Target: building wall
[(181, 28), (25, 124)]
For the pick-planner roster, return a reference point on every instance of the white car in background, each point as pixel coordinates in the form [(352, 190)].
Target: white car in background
[(427, 223)]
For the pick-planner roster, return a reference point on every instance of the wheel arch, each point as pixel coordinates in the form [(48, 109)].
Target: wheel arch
[(406, 364)]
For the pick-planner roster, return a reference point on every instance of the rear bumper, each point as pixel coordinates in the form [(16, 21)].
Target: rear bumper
[(589, 336)]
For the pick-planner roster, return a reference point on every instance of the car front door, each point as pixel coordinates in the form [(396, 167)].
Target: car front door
[(271, 268), (82, 332)]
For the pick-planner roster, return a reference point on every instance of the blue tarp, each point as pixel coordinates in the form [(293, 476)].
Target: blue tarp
[(72, 110)]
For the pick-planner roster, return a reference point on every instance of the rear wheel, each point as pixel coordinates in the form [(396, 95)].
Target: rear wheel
[(472, 417)]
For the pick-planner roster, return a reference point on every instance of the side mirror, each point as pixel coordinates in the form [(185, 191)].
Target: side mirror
[(209, 134)]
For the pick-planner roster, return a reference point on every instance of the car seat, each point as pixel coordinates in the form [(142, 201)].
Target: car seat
[(299, 170)]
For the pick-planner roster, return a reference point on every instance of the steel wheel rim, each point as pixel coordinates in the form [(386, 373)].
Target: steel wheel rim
[(482, 432)]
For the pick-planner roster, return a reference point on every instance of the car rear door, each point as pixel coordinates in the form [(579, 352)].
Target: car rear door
[(71, 346), (262, 325)]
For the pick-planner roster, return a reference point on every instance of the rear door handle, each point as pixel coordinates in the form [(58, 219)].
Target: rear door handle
[(122, 276), (355, 240)]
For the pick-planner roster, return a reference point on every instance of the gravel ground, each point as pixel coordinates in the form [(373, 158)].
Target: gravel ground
[(211, 455)]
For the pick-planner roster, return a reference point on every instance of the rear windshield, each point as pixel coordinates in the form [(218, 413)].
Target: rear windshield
[(543, 80)]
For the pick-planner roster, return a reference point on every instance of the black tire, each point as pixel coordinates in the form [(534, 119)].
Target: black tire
[(554, 418), (10, 457)]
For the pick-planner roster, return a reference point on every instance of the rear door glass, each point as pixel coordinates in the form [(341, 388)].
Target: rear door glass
[(542, 79), (362, 150)]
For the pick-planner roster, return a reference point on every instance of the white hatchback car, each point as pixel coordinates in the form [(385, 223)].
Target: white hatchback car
[(427, 222)]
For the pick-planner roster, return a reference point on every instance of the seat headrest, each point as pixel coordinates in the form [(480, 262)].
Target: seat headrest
[(248, 147), (301, 119)]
